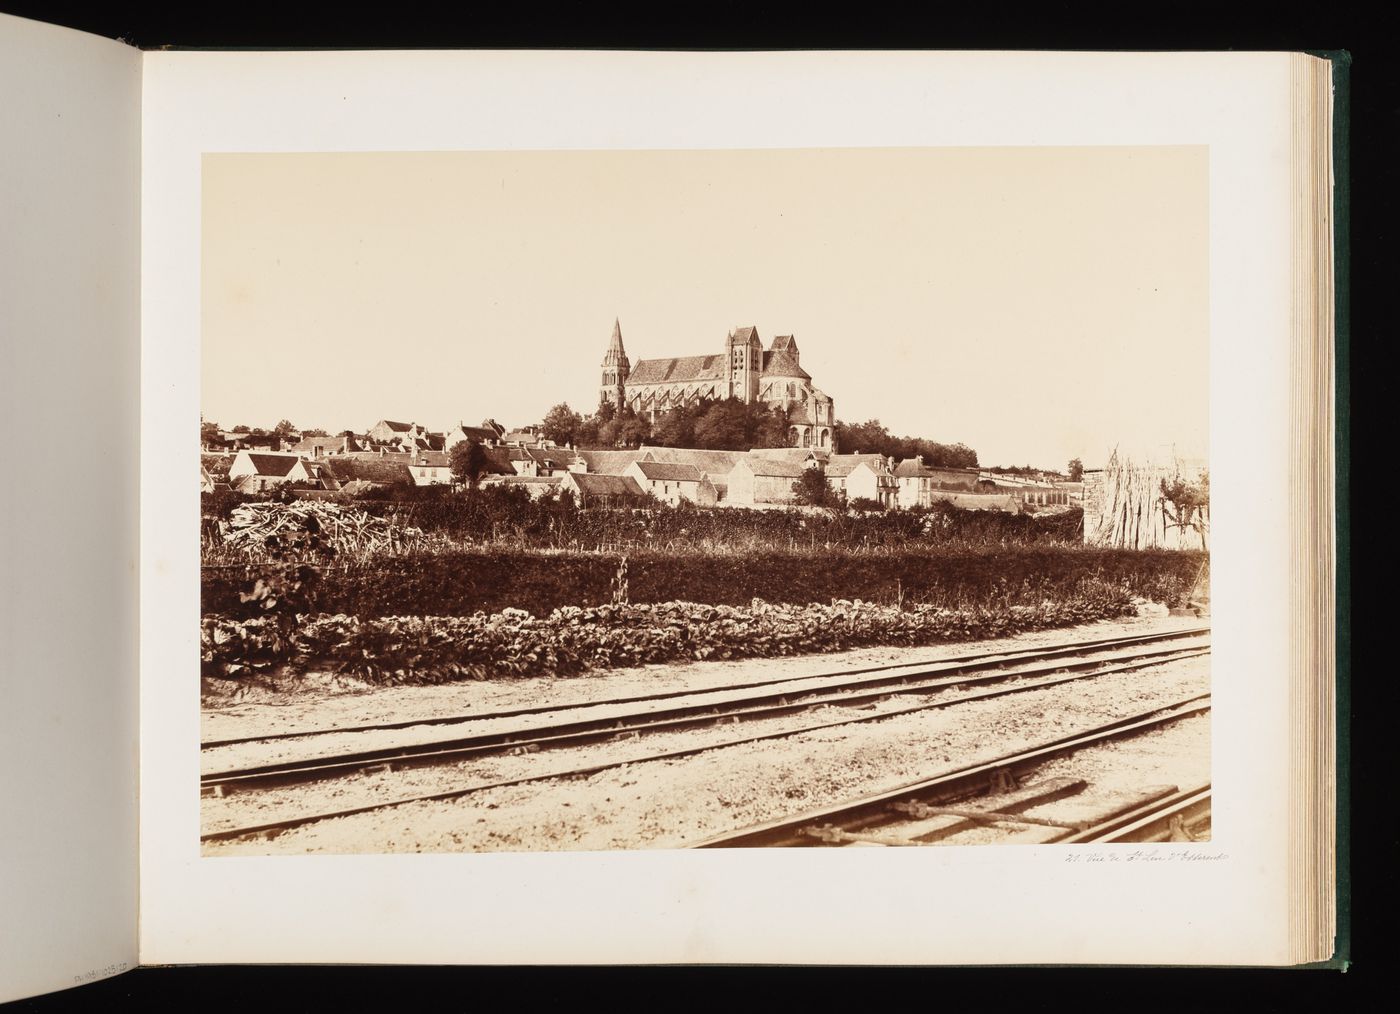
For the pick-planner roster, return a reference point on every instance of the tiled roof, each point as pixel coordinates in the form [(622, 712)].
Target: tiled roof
[(369, 469), (744, 334), (778, 363), (431, 459), (605, 485), (498, 461), (793, 454), (784, 343), (911, 467), (839, 465), (609, 462), (713, 462), (667, 471), (561, 457), (774, 467), (273, 464), (397, 427), (307, 445), (682, 369)]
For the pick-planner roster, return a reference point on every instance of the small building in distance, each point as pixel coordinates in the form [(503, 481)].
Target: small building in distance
[(255, 471), (920, 484), (603, 490), (672, 482), (756, 479), (489, 434), (863, 477)]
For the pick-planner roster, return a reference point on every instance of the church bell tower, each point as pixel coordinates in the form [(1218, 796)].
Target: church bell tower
[(615, 371)]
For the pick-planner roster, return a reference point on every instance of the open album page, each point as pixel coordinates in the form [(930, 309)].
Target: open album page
[(70, 129), (624, 477)]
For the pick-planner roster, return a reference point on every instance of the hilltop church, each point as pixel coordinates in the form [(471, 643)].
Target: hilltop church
[(744, 369)]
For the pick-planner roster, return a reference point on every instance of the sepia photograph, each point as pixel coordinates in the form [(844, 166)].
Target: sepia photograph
[(583, 500)]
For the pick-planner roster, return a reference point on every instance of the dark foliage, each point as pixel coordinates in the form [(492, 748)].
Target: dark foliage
[(459, 583)]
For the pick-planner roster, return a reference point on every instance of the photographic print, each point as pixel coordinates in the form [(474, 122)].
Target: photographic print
[(666, 499)]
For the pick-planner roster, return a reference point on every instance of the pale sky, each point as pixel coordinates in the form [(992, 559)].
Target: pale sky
[(1036, 304)]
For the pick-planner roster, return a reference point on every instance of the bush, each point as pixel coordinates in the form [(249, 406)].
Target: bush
[(463, 582), (512, 643)]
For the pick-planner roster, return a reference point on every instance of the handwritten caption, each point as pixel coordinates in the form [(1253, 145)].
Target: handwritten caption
[(1147, 856)]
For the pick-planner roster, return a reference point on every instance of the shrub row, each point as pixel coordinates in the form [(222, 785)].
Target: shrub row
[(508, 516), (512, 643), (462, 582)]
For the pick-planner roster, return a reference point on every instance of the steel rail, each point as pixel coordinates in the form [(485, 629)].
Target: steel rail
[(950, 665), (582, 732), (873, 809), (277, 827), (1147, 823)]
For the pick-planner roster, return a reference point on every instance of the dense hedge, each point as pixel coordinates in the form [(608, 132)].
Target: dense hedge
[(507, 516), (430, 649), (462, 582)]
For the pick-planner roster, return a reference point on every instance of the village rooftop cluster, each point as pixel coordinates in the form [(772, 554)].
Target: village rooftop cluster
[(392, 453)]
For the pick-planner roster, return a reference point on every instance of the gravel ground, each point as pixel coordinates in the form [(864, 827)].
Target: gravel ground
[(662, 804)]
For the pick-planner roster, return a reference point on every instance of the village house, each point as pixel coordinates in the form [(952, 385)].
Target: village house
[(430, 468), (920, 485), (863, 477), (256, 471), (673, 482), (488, 434), (757, 479), (368, 471), (603, 490), (387, 431)]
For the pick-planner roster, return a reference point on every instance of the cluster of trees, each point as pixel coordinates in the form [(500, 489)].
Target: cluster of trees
[(284, 429), (870, 437), (732, 425), (720, 425)]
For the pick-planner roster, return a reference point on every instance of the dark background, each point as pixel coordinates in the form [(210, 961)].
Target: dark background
[(1366, 257)]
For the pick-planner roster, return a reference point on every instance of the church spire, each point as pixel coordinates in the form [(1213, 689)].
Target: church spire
[(616, 369)]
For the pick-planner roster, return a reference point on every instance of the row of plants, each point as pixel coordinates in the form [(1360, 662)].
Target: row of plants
[(508, 516), (513, 643), (460, 582)]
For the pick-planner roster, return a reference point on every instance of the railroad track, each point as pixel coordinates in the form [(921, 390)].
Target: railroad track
[(1028, 670), (937, 809), (339, 766)]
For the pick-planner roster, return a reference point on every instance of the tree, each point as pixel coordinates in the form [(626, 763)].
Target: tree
[(469, 462), (772, 428), (285, 430), (812, 491), (1076, 470), (561, 424), (209, 433)]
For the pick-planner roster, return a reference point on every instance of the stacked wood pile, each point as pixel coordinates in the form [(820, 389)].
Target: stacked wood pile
[(1126, 507), (341, 529)]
